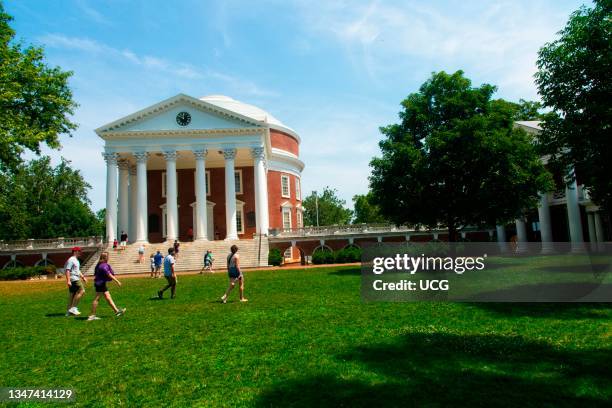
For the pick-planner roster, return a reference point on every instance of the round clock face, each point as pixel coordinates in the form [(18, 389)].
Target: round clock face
[(183, 118)]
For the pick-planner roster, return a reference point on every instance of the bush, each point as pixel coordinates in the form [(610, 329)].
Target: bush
[(348, 254), (275, 257), (25, 272), (323, 256)]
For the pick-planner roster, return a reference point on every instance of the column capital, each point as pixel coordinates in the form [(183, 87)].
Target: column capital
[(132, 170), (123, 164), (229, 153), (258, 153), (170, 155), (200, 154), (110, 158), (141, 157)]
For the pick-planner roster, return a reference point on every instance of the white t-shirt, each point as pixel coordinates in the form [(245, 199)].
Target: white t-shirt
[(73, 267)]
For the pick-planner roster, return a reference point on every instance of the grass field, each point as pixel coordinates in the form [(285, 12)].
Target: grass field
[(304, 339)]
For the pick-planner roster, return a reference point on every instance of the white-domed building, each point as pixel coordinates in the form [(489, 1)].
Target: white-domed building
[(208, 168)]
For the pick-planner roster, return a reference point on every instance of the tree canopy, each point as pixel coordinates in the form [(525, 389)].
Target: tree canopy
[(35, 100), (456, 158), (38, 200), (332, 209), (574, 80), (366, 210)]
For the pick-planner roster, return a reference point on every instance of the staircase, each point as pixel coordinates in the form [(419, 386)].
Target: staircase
[(253, 253)]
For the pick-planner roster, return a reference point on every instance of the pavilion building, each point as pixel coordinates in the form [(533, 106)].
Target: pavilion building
[(209, 169)]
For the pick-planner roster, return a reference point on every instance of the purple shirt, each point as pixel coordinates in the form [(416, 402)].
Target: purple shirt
[(103, 273)]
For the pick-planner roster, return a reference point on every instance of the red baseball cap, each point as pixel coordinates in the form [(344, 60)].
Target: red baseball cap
[(74, 249)]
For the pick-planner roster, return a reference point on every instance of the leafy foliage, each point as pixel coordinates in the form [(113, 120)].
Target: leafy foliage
[(25, 272), (323, 256), (574, 80), (35, 100), (332, 209), (38, 200), (456, 159), (275, 257), (366, 210)]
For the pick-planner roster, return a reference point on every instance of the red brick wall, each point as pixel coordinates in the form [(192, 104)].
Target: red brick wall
[(275, 199), (284, 142), (186, 196)]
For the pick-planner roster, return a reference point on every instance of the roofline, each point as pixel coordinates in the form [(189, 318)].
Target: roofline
[(161, 105)]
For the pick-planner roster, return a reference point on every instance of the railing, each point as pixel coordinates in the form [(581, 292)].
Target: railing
[(558, 196), (52, 243), (338, 230)]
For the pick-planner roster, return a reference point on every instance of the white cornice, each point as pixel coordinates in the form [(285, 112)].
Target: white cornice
[(168, 103), (188, 133)]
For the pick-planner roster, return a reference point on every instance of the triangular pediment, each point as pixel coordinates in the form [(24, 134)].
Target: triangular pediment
[(164, 116)]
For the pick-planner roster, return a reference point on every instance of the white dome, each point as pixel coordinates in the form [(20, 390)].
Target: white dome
[(245, 109)]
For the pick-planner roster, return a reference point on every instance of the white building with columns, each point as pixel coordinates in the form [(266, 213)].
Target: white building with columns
[(203, 169), (566, 215)]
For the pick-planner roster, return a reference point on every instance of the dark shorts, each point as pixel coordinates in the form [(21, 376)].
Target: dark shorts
[(234, 273), (101, 288), (76, 286), (171, 280)]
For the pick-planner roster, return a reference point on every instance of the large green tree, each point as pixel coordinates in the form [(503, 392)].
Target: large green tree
[(331, 209), (365, 209), (574, 79), (455, 158), (38, 200), (35, 100)]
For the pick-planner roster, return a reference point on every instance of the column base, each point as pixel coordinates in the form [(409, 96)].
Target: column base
[(231, 238), (202, 239), (578, 247), (547, 248)]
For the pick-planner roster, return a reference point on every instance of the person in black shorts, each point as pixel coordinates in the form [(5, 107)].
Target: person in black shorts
[(176, 248), (235, 274), (103, 274)]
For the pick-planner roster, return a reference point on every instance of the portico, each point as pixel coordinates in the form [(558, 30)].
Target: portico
[(188, 168)]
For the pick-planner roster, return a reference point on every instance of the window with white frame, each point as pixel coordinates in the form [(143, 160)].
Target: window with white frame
[(163, 184), (286, 218), (207, 181), (240, 217), (298, 188), (238, 181), (285, 187), (298, 216)]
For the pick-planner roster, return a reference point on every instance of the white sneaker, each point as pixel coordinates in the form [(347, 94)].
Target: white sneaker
[(120, 312), (90, 318), (75, 311)]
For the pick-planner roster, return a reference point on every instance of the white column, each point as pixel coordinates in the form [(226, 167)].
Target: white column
[(230, 194), (573, 215), (261, 190), (133, 205), (171, 196), (545, 224), (501, 238), (599, 231), (592, 235), (111, 196), (201, 226), (124, 178), (521, 234), (141, 197)]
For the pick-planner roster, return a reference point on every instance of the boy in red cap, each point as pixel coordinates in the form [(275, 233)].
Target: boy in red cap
[(76, 289)]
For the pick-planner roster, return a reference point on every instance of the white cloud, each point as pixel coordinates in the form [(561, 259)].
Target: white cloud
[(496, 42)]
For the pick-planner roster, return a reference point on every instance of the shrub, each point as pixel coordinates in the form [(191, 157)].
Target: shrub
[(323, 256), (348, 254), (25, 272), (275, 257)]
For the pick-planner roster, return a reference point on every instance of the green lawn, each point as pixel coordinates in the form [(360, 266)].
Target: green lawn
[(304, 339)]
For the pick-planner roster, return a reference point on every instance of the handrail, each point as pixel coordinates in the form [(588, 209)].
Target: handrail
[(51, 243), (339, 230)]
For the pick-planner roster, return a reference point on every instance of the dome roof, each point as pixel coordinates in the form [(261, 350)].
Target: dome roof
[(247, 110)]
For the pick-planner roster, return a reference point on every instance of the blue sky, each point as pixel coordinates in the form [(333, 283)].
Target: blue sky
[(333, 70)]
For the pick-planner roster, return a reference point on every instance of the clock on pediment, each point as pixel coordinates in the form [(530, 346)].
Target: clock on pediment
[(183, 118)]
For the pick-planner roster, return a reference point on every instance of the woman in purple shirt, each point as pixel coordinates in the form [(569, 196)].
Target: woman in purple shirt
[(104, 273)]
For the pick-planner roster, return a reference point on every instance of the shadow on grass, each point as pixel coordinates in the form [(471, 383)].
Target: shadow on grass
[(56, 314), (548, 310), (346, 272), (441, 369)]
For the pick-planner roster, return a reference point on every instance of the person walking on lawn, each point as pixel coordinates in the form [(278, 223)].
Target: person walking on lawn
[(235, 274), (104, 273), (76, 289), (170, 275)]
